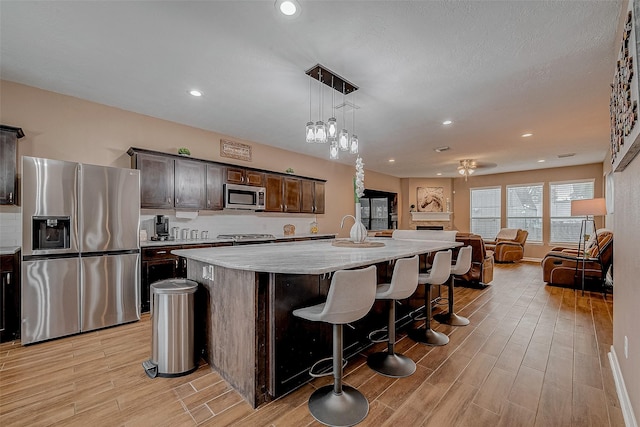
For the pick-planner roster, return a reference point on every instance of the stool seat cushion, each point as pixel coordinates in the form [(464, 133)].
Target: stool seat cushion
[(313, 313)]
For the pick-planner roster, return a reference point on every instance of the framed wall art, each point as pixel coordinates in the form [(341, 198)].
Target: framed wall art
[(430, 199)]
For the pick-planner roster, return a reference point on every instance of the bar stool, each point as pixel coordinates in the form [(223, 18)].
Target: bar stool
[(350, 297), (462, 265), (403, 283), (439, 274)]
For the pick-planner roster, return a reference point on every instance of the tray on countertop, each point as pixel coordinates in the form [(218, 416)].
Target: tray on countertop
[(350, 244)]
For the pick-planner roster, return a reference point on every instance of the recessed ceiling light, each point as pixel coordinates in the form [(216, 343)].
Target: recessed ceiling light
[(527, 135), (447, 122), (392, 160), (288, 7), (439, 174), (541, 161), (441, 149), (195, 92)]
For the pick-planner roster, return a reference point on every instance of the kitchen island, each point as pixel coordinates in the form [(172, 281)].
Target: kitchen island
[(245, 299)]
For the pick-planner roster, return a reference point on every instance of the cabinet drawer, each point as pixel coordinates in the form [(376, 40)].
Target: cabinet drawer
[(162, 252)]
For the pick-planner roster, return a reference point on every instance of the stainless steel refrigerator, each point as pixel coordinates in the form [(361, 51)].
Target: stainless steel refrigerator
[(80, 248)]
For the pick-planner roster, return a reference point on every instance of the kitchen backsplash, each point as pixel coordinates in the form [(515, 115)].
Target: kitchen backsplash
[(10, 229), (231, 222)]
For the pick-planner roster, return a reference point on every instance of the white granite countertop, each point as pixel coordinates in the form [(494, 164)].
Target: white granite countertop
[(9, 250), (152, 243), (309, 257)]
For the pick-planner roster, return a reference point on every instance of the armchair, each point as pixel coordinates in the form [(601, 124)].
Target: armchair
[(508, 245), (563, 266)]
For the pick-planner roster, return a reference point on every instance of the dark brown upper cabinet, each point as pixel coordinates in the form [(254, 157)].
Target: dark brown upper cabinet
[(273, 186), (318, 197), (215, 187), (9, 136), (238, 175), (156, 180), (306, 196), (190, 184), (291, 191)]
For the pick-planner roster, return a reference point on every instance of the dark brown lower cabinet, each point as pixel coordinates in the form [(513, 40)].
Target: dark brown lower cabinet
[(158, 263), (9, 297)]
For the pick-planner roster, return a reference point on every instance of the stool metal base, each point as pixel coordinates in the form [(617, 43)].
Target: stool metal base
[(451, 319), (428, 336), (345, 409), (391, 365)]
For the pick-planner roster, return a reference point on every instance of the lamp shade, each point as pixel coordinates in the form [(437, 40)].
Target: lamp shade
[(594, 207)]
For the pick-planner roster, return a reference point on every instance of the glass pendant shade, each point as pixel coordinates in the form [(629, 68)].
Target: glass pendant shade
[(333, 151), (343, 140), (332, 129), (311, 132), (321, 132), (353, 146)]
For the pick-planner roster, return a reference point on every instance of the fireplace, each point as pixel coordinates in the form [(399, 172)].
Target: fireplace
[(429, 227)]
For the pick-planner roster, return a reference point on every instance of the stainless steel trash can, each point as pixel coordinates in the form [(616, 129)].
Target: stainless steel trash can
[(172, 345)]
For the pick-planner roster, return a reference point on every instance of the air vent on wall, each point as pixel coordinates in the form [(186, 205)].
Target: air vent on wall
[(562, 156)]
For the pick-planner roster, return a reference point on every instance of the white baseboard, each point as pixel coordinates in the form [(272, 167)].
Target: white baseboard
[(530, 259), (623, 397)]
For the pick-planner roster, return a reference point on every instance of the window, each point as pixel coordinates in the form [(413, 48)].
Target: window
[(564, 227), (524, 209), (485, 211)]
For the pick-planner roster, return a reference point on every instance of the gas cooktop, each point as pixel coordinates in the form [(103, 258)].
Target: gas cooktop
[(238, 237)]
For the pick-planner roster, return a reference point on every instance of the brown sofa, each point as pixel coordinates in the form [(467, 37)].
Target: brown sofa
[(508, 245), (481, 272), (563, 266)]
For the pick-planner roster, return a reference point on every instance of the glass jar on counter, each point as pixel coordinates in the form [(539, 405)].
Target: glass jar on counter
[(314, 227)]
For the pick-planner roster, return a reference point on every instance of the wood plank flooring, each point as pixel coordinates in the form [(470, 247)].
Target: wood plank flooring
[(533, 355)]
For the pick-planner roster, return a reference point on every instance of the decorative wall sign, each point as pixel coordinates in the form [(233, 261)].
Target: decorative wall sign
[(623, 105), (624, 112), (430, 199), (235, 150)]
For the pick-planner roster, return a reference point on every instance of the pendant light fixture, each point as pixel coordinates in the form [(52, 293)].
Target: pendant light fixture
[(319, 132), (343, 137), (353, 143), (311, 129), (334, 151), (321, 128), (332, 123)]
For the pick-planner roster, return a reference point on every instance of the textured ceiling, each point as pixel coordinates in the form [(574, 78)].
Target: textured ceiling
[(498, 69)]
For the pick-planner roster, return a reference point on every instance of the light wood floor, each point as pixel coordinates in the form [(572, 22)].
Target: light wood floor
[(533, 355)]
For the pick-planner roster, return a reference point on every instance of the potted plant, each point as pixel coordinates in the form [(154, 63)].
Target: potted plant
[(183, 151)]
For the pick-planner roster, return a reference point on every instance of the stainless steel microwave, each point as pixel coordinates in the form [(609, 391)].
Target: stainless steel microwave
[(244, 197)]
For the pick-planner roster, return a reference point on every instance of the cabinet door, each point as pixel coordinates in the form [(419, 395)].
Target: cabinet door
[(156, 181), (8, 143), (318, 197), (292, 190), (215, 184), (234, 175), (306, 198), (254, 178), (273, 184), (190, 184)]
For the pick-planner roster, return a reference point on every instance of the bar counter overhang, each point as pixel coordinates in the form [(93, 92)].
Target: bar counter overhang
[(247, 293)]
